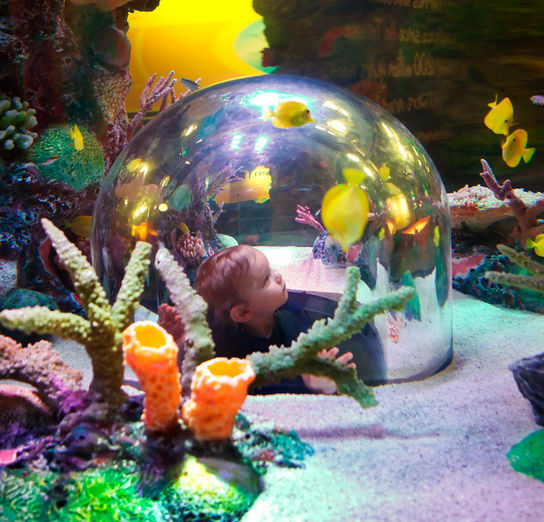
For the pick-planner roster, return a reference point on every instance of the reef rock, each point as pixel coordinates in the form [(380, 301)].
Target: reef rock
[(529, 376), (477, 208)]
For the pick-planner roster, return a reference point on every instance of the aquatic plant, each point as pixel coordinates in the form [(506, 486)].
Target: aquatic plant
[(533, 281), (100, 332), (16, 120)]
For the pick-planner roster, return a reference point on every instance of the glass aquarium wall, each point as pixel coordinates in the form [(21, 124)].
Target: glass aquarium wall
[(226, 166)]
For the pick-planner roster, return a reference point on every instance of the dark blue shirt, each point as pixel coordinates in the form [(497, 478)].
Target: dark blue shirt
[(236, 341)]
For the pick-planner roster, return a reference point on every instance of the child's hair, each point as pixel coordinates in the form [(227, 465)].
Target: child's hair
[(218, 280)]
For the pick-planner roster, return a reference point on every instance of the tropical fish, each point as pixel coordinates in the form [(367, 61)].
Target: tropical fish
[(385, 172), (289, 114), (514, 148), (537, 99), (418, 226), (80, 226), (77, 137), (501, 116), (189, 84), (436, 236), (254, 187), (50, 161), (344, 209), (143, 231), (537, 244)]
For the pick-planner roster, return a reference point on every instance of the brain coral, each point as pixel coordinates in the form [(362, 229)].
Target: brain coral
[(58, 158)]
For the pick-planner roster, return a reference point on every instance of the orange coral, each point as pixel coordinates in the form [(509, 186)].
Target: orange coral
[(218, 390), (152, 353)]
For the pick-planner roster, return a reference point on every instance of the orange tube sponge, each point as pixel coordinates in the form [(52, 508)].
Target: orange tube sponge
[(218, 390), (152, 353)]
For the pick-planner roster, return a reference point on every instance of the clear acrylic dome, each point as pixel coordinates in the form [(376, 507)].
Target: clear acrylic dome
[(214, 170)]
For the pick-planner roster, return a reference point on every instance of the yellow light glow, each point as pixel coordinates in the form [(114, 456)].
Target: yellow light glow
[(399, 210), (338, 126), (387, 129), (368, 172), (163, 207), (195, 39), (330, 105), (164, 181), (189, 129), (353, 157)]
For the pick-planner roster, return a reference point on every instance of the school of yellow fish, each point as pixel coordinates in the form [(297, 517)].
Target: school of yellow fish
[(499, 119)]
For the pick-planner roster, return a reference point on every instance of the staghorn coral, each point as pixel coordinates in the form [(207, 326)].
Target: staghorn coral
[(152, 353), (100, 332), (530, 282), (198, 344), (219, 388), (302, 355), (42, 367), (16, 120)]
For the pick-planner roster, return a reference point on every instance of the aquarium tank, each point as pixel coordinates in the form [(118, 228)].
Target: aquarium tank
[(249, 161)]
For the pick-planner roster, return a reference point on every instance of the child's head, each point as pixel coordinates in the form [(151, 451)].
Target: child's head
[(239, 285)]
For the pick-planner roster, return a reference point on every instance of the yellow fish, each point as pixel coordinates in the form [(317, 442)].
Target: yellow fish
[(254, 187), (80, 226), (77, 137), (143, 231), (344, 209), (289, 114), (501, 116), (537, 244), (513, 148), (385, 172)]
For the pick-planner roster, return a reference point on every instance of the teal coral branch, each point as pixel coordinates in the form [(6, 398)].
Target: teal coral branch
[(302, 355), (40, 319), (128, 297), (534, 282), (198, 341)]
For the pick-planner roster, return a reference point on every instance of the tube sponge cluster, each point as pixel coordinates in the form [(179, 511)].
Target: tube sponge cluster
[(218, 390), (152, 353)]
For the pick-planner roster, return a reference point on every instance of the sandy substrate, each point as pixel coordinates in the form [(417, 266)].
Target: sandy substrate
[(433, 450)]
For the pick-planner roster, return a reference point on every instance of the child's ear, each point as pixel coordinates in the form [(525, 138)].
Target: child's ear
[(241, 313)]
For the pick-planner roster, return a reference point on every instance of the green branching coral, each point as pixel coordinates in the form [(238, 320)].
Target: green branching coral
[(198, 344), (530, 282), (301, 356), (100, 332), (16, 120)]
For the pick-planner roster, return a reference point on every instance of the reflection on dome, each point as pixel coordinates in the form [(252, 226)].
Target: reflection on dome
[(214, 170)]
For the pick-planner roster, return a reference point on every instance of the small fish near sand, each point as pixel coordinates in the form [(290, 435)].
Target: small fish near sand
[(254, 187), (77, 137), (514, 148), (501, 116), (344, 209), (537, 244), (289, 114)]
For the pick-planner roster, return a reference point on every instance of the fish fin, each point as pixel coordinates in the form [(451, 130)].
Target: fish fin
[(493, 103), (530, 243), (354, 176), (262, 199), (267, 114), (528, 154)]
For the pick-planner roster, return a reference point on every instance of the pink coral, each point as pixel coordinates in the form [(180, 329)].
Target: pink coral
[(219, 388)]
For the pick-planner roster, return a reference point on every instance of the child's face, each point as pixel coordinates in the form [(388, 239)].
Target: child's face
[(264, 289)]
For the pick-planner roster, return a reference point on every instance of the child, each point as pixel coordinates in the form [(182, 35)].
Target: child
[(249, 310)]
